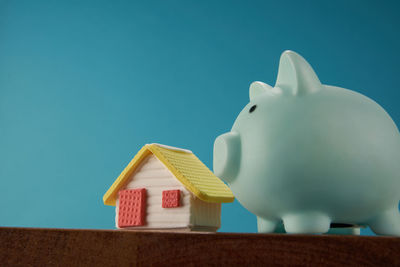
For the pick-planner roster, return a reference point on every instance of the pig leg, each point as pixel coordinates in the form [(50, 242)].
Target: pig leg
[(266, 226), (306, 223), (386, 223)]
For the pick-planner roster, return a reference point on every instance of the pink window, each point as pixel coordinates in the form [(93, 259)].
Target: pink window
[(171, 198), (132, 207)]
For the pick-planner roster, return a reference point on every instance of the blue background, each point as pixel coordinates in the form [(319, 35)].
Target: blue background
[(84, 84)]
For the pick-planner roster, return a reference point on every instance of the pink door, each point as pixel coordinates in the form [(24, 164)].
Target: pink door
[(132, 207)]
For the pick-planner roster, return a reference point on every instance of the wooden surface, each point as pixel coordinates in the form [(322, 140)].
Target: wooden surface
[(60, 247)]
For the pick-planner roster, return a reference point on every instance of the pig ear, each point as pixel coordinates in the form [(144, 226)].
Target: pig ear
[(296, 74), (257, 88)]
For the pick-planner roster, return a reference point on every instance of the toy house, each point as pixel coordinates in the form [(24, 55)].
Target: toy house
[(165, 187)]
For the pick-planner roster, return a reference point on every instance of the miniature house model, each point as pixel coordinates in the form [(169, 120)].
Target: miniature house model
[(167, 188)]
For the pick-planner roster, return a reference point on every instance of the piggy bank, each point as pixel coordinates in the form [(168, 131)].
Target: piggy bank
[(307, 156)]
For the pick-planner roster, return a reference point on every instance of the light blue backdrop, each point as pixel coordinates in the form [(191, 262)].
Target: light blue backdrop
[(84, 84)]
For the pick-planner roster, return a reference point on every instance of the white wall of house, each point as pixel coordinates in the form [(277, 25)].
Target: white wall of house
[(155, 177), (206, 214)]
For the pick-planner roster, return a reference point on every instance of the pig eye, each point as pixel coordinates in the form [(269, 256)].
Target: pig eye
[(252, 108)]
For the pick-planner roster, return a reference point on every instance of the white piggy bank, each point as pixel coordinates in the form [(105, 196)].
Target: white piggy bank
[(312, 156)]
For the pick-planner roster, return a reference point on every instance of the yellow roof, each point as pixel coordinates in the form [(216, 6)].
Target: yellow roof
[(185, 166)]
